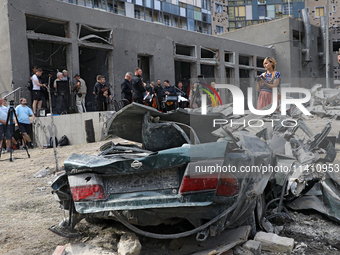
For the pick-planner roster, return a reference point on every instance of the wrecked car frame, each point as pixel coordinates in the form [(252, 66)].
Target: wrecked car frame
[(172, 179)]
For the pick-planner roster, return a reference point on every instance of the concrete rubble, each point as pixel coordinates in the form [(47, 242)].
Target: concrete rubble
[(254, 246), (325, 102), (274, 243), (42, 173), (81, 249), (129, 244), (238, 250)]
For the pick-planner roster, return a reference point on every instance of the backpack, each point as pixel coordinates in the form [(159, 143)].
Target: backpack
[(64, 141), (50, 142), (30, 85)]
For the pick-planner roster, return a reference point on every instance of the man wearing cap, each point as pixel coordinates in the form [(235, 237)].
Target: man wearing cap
[(81, 90)]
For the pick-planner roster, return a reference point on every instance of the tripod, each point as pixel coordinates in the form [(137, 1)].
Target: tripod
[(9, 123)]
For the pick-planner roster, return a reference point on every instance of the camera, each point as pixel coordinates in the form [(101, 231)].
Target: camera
[(11, 102), (259, 78)]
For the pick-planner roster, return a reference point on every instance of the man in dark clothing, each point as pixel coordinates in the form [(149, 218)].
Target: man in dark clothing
[(169, 91), (159, 92), (102, 94), (127, 88), (137, 86)]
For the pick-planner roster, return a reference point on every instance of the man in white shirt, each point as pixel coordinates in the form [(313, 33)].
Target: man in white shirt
[(36, 93)]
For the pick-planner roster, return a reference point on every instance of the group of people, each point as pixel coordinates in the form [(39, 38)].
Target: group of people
[(133, 89), (60, 89), (24, 116), (163, 97)]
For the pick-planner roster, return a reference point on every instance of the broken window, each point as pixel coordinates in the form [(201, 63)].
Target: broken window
[(296, 38), (49, 56), (336, 46), (218, 8), (259, 62), (219, 29), (209, 53), (45, 26), (229, 57), (185, 50), (243, 60), (95, 35), (208, 71)]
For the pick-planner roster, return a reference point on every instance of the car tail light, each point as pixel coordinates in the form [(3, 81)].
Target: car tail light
[(225, 184), (193, 183), (88, 192), (86, 187)]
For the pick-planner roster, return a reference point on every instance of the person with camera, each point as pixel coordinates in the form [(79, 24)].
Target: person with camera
[(102, 94), (12, 124), (3, 119), (266, 82), (23, 113)]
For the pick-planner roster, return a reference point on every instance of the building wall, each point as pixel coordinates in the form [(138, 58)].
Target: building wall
[(219, 16), (282, 36), (6, 77), (313, 8), (131, 38), (73, 126)]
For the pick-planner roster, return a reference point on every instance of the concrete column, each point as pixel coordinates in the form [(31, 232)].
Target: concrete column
[(72, 51), (72, 57), (110, 68), (222, 75), (198, 62), (237, 70)]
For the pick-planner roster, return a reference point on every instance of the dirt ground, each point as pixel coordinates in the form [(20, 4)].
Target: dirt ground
[(28, 208)]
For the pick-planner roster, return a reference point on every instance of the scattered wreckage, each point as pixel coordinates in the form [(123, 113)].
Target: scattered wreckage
[(325, 102), (189, 170)]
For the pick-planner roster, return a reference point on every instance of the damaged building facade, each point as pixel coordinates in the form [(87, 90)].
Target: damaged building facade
[(55, 35)]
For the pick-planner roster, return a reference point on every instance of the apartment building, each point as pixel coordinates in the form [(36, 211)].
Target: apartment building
[(316, 10), (193, 15), (251, 12)]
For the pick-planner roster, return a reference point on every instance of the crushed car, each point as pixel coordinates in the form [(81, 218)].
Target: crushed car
[(188, 170)]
